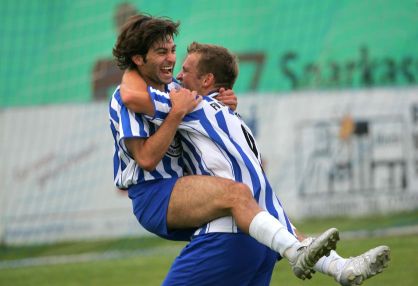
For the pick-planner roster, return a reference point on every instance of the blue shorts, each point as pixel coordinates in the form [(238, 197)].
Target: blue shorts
[(222, 259), (150, 203)]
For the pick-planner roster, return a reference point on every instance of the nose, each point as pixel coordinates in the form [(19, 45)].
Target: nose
[(180, 76), (171, 57)]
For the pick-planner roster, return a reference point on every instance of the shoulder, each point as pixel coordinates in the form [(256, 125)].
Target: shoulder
[(173, 85)]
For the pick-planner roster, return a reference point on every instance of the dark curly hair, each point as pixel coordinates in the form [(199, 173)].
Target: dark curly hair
[(138, 34)]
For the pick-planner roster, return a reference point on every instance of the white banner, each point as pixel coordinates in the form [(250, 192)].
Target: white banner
[(339, 153), (57, 183)]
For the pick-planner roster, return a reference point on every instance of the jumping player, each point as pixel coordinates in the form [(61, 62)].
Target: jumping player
[(249, 138), (166, 206), (230, 143)]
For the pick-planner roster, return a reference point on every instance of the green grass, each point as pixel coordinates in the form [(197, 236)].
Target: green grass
[(150, 267), (402, 269), (78, 247)]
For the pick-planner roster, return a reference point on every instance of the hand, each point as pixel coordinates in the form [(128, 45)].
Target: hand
[(227, 96), (183, 101)]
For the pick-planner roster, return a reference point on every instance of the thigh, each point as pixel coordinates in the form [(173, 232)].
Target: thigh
[(221, 259), (195, 200), (150, 203)]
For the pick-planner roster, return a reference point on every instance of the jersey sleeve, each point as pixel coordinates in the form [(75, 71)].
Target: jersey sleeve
[(162, 105), (131, 125)]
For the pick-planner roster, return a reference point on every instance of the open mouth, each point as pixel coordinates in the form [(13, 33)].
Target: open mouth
[(167, 70)]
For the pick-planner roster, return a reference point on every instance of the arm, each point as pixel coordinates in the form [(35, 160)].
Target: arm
[(148, 152), (134, 93), (136, 98)]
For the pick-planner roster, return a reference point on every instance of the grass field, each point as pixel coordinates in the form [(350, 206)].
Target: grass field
[(145, 261)]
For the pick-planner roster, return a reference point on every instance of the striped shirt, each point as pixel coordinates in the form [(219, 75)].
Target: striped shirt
[(217, 142), (127, 124)]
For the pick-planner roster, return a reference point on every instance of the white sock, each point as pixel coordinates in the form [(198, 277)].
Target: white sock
[(330, 265), (267, 230)]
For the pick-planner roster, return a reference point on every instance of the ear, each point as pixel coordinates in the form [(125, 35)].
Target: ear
[(138, 60), (208, 80)]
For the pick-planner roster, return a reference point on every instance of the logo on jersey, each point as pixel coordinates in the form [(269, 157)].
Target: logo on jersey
[(175, 149)]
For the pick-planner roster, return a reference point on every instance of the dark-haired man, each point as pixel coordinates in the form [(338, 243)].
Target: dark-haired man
[(222, 146), (167, 203)]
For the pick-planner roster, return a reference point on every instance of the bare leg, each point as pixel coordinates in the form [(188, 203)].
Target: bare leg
[(196, 200)]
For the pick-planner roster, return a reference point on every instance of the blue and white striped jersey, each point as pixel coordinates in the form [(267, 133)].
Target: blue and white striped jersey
[(127, 124), (217, 142)]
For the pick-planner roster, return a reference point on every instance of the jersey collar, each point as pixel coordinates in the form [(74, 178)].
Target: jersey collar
[(213, 93)]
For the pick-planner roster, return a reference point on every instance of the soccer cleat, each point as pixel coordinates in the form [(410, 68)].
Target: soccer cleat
[(307, 256), (362, 267)]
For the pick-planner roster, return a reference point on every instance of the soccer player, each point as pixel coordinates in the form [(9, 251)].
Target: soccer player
[(166, 204), (219, 223), (200, 70)]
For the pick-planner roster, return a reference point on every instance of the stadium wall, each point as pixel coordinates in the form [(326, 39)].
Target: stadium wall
[(328, 86), (334, 153), (57, 176), (326, 154)]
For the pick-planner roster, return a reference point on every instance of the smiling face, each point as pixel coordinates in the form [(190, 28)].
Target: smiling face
[(189, 74), (157, 67)]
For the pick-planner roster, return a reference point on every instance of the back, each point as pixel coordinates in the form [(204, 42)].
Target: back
[(217, 142)]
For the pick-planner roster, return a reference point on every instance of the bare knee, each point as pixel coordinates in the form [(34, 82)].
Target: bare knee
[(241, 191), (238, 195), (243, 207)]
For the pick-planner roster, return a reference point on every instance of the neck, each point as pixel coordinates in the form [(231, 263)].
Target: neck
[(157, 85), (160, 87), (211, 90)]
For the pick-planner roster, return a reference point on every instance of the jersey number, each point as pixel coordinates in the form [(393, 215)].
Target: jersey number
[(250, 141)]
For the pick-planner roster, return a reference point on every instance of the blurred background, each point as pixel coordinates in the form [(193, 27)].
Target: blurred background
[(330, 89)]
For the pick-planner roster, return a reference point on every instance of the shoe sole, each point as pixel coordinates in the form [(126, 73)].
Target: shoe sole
[(380, 261), (324, 243)]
